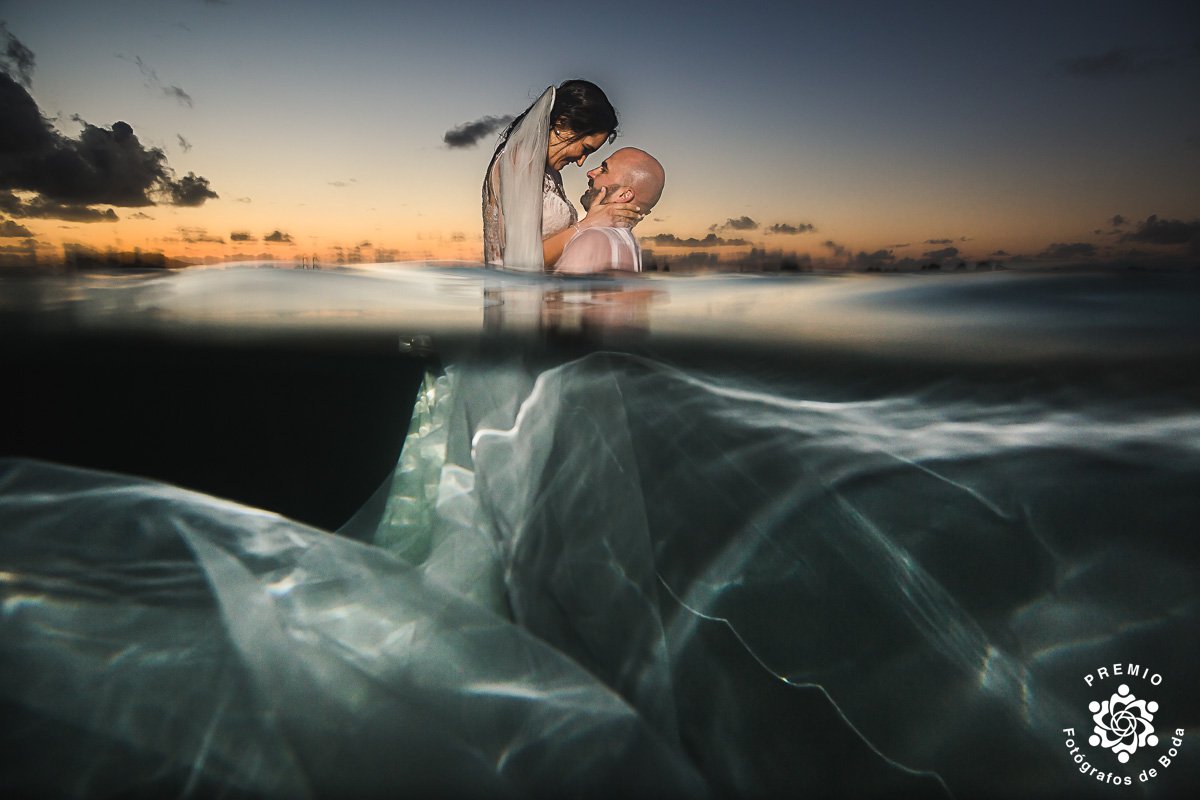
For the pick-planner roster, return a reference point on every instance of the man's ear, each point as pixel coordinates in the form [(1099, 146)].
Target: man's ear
[(620, 194)]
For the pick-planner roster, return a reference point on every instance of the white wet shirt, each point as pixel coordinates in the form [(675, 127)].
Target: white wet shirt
[(600, 249)]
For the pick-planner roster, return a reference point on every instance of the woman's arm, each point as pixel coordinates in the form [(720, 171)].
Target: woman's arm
[(601, 214), (552, 248)]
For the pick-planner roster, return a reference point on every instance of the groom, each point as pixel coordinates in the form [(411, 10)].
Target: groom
[(627, 176)]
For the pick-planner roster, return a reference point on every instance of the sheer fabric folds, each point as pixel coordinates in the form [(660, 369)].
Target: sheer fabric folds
[(513, 192), (615, 577)]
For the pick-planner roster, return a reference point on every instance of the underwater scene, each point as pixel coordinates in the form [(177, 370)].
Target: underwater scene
[(432, 529)]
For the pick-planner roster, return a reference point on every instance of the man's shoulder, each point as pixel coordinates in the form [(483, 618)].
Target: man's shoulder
[(607, 232), (594, 231)]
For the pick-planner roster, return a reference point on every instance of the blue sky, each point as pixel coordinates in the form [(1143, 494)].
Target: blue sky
[(894, 128)]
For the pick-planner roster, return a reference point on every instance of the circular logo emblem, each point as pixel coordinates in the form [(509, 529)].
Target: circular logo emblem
[(1123, 723)]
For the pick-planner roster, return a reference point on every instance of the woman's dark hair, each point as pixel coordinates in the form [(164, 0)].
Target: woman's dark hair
[(582, 108), (579, 106)]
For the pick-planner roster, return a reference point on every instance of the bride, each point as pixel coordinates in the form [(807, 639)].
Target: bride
[(527, 218)]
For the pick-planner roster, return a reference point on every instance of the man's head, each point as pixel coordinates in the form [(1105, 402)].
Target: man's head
[(630, 175)]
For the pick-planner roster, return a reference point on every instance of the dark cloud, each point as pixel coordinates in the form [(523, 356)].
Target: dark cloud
[(140, 215), (11, 230), (871, 261), (742, 223), (103, 166), (837, 249), (278, 237), (190, 190), (1062, 252), (711, 240), (41, 208), (786, 229), (941, 255), (469, 134), (179, 94), (241, 236), (172, 91), (184, 144), (898, 246), (198, 235), (939, 241), (1117, 221), (16, 59), (1166, 232), (1000, 253), (1118, 62)]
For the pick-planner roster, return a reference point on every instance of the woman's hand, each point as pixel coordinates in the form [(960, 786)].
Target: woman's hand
[(611, 215)]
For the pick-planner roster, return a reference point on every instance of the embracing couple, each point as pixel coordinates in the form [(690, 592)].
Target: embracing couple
[(528, 222)]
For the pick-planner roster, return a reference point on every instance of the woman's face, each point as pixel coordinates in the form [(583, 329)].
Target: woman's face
[(566, 148)]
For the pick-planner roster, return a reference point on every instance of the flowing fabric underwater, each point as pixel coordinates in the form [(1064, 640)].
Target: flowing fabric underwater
[(614, 575)]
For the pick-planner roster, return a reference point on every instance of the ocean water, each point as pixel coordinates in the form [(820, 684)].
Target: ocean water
[(509, 535)]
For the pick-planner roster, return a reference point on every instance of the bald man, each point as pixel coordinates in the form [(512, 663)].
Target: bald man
[(627, 176)]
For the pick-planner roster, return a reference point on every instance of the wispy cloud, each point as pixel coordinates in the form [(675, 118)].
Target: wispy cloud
[(184, 144), (470, 134), (942, 254), (15, 58), (12, 230), (199, 235), (42, 208), (788, 229), (1120, 61), (711, 240), (871, 261), (742, 223), (835, 248), (1068, 251), (152, 79)]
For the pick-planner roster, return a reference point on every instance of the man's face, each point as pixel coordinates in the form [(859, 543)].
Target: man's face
[(607, 175)]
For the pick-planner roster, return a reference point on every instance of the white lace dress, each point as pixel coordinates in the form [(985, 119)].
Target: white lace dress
[(558, 213)]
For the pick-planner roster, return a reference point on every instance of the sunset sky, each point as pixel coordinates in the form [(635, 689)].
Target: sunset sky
[(845, 131)]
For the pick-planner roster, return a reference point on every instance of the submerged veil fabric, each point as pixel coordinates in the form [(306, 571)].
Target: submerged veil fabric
[(513, 191), (612, 577)]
